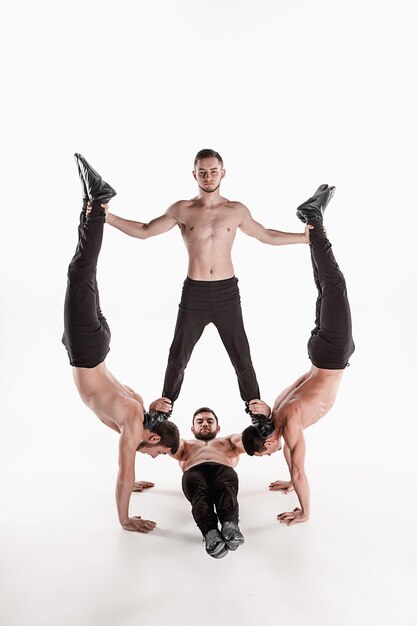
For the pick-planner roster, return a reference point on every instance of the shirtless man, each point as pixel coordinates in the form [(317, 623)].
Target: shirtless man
[(209, 482), (208, 225), (329, 348), (87, 340)]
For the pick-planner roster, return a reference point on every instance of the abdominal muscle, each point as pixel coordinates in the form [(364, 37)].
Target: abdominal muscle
[(209, 246)]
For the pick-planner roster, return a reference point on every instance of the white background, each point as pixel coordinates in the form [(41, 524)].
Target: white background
[(292, 94)]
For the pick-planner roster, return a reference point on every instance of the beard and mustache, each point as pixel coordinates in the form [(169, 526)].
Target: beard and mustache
[(206, 435)]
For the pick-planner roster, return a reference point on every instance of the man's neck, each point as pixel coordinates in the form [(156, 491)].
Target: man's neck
[(209, 199)]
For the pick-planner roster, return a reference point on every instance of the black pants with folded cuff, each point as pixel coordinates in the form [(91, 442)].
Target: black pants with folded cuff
[(212, 489)]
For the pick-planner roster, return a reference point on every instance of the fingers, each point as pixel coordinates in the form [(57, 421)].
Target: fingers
[(142, 484), (161, 404), (146, 527), (281, 485), (259, 407), (141, 525), (292, 517)]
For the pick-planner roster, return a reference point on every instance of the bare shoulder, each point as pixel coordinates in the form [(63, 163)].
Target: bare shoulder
[(242, 212), (176, 209), (235, 442), (289, 418), (187, 447), (131, 425), (237, 206), (291, 409), (181, 452)]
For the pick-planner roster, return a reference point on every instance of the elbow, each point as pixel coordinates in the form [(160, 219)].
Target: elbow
[(140, 234), (145, 232)]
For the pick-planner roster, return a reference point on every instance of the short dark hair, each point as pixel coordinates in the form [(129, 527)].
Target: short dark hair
[(169, 434), (205, 409), (252, 441), (206, 153)]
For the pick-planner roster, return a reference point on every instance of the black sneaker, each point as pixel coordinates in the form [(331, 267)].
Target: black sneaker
[(215, 546), (263, 424), (232, 536)]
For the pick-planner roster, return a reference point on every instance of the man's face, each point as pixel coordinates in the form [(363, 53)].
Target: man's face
[(153, 450), (208, 174), (205, 426)]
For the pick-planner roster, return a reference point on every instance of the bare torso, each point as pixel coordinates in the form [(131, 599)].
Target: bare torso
[(208, 233), (310, 400), (223, 450), (109, 399)]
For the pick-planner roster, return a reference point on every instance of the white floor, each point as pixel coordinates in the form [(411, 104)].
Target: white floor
[(66, 561)]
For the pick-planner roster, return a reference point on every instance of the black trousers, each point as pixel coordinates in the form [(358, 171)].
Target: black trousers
[(86, 332), (204, 302), (211, 486), (331, 343)]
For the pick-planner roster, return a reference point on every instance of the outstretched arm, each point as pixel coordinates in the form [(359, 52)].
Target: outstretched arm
[(141, 230), (268, 235), (129, 439)]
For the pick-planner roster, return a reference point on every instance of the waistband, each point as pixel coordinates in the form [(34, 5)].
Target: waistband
[(211, 283), (205, 464)]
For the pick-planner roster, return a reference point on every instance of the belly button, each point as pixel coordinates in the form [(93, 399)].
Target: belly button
[(192, 228)]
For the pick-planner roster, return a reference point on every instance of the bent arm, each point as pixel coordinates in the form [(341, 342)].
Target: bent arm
[(140, 230), (268, 235)]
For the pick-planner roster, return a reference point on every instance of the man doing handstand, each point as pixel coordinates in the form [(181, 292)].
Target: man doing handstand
[(330, 346), (87, 340)]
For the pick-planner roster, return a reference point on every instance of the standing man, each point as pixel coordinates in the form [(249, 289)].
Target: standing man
[(329, 348), (87, 340), (208, 225)]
